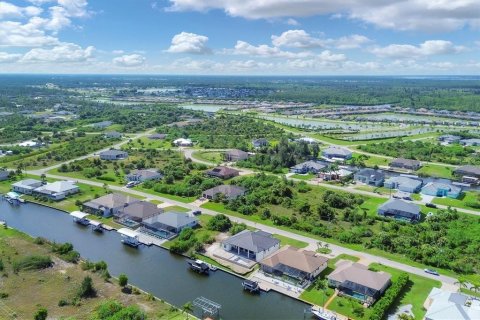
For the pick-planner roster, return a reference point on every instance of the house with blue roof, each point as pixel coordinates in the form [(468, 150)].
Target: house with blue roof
[(404, 184), (438, 189)]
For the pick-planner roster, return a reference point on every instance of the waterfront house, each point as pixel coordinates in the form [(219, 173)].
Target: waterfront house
[(439, 189), (307, 167), (26, 186), (113, 135), (143, 175), (470, 142), (235, 155), (253, 245), (447, 305), (355, 280), (408, 164), (336, 153), (157, 136), (57, 190), (113, 155), (181, 142), (301, 265), (135, 213), (4, 174), (370, 177), (404, 184), (228, 191), (102, 125), (109, 204), (400, 209), (223, 172), (259, 143), (334, 175), (471, 171), (172, 222)]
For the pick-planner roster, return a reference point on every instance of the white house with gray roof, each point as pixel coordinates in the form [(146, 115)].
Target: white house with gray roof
[(109, 204), (144, 175), (404, 184), (26, 186), (57, 190), (253, 245), (336, 153), (400, 209), (172, 222), (446, 305), (370, 177), (113, 155)]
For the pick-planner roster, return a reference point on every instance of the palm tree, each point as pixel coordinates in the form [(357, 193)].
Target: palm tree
[(475, 287), (187, 308), (461, 282)]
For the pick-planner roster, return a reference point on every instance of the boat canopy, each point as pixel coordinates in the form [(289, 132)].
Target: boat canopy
[(128, 232), (13, 195), (95, 223), (78, 214)]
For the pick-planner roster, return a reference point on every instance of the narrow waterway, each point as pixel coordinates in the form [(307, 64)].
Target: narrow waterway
[(153, 269)]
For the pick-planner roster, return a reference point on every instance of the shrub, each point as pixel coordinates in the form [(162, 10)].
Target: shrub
[(33, 262), (86, 289), (41, 314), (1, 265), (62, 303), (219, 223), (122, 280), (3, 295), (381, 307)]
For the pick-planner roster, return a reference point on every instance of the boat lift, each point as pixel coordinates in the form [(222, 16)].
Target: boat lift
[(80, 217), (129, 237), (96, 226), (208, 307)]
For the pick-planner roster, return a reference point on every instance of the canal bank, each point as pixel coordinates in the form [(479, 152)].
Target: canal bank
[(152, 269)]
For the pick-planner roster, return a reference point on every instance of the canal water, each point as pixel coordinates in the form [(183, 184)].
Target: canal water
[(153, 269)]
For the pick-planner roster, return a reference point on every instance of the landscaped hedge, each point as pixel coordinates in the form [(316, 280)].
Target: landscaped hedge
[(381, 307)]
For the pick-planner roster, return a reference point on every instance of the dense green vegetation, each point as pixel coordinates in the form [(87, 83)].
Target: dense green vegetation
[(114, 310), (382, 306), (224, 132), (424, 151)]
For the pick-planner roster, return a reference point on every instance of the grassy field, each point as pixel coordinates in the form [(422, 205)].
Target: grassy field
[(26, 290), (291, 242), (307, 176), (372, 161), (209, 156), (164, 195), (146, 143), (468, 196), (435, 170)]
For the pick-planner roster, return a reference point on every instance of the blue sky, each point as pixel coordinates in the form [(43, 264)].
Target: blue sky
[(297, 37)]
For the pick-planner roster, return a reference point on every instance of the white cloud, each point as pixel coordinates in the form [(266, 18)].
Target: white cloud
[(296, 39), (292, 22), (408, 51), (430, 15), (349, 42), (9, 57), (129, 60), (30, 34), (186, 42), (64, 52), (263, 50), (8, 10)]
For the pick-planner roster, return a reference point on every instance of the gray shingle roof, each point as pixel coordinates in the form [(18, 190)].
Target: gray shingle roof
[(112, 200), (172, 219), (255, 241), (113, 152), (371, 174), (400, 205), (230, 191), (140, 210)]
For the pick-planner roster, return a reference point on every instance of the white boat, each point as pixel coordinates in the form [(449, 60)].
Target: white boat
[(129, 237), (322, 314)]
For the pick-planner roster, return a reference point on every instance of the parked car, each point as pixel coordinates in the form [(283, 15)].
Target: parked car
[(197, 212), (430, 271), (430, 205), (131, 184)]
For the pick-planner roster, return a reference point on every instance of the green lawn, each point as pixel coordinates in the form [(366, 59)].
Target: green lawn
[(209, 156), (176, 209), (146, 143), (307, 176), (372, 160), (466, 197), (435, 170), (291, 242), (164, 195)]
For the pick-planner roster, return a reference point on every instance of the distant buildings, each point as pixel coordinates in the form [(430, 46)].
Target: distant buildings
[(109, 204), (469, 174), (408, 164), (449, 139), (439, 189), (235, 155), (445, 305), (4, 174), (404, 184), (113, 135), (31, 144), (157, 136), (356, 281), (307, 167), (336, 153), (143, 175), (253, 245), (259, 143), (307, 140), (470, 142), (102, 125), (230, 192), (223, 172), (57, 190), (370, 177), (400, 210), (181, 142), (113, 155)]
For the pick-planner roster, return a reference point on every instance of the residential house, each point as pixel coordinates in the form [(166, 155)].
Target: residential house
[(253, 245), (142, 175), (470, 142), (259, 143), (235, 155), (400, 209), (102, 125), (439, 189), (307, 140), (26, 186), (301, 265), (172, 222), (4, 174), (227, 190), (113, 155), (133, 214), (157, 136), (449, 139), (472, 171), (408, 164), (404, 184), (181, 142), (308, 167), (339, 174), (31, 144), (57, 190), (446, 305), (336, 153), (355, 280), (370, 176), (109, 204), (223, 172), (113, 135)]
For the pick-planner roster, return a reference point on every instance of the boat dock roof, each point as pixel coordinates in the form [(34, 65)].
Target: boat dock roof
[(95, 223), (78, 214), (128, 232)]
